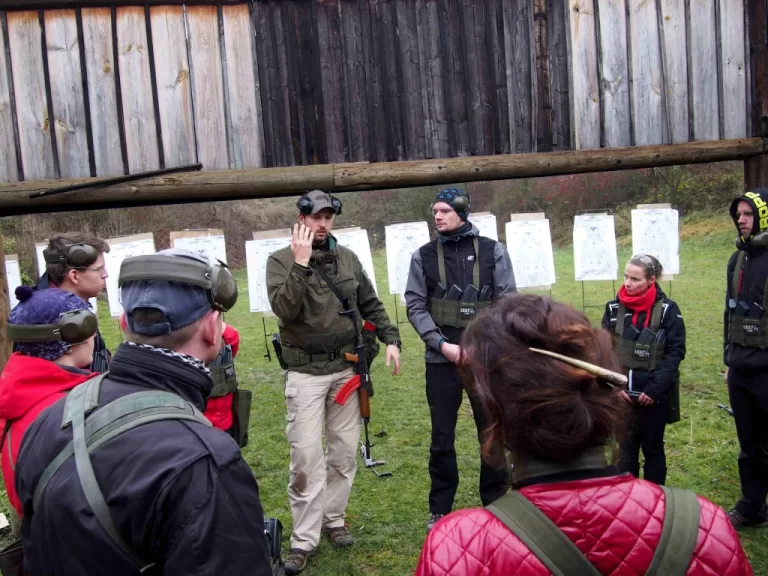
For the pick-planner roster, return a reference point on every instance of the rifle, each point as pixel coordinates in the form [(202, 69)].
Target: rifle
[(362, 378)]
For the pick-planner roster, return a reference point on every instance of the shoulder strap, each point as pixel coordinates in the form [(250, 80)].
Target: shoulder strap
[(476, 267), (114, 419), (542, 536), (440, 261), (678, 535), (620, 313), (736, 273), (655, 322), (336, 292)]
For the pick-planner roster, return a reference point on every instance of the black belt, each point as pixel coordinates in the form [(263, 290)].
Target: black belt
[(323, 356)]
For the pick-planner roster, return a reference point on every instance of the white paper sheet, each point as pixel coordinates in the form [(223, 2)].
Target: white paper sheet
[(594, 247), (402, 240), (256, 254), (529, 243), (655, 232), (120, 249), (357, 241)]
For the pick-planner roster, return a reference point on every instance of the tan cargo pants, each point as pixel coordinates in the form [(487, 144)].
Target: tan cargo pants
[(320, 482)]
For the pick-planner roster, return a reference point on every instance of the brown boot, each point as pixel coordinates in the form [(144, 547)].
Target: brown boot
[(341, 536), (296, 560)]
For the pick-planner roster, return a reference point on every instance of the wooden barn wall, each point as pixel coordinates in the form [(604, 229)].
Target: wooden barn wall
[(108, 91)]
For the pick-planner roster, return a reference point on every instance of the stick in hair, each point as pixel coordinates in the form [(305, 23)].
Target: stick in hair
[(611, 377)]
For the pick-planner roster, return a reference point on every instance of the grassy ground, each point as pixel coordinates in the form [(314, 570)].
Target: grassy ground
[(388, 515)]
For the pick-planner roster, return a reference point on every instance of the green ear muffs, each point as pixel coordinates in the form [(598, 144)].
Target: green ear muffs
[(74, 255), (73, 327), (216, 280)]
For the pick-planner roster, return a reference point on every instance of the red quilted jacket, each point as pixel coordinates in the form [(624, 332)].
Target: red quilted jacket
[(616, 521)]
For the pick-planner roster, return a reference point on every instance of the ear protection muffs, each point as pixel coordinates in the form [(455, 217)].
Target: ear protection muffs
[(305, 204), (73, 255), (216, 280), (461, 203), (73, 327)]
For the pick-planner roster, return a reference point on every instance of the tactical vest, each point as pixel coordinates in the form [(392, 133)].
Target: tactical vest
[(225, 382), (750, 332), (456, 313), (633, 355)]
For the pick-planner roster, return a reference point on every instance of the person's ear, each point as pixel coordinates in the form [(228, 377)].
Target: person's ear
[(73, 276), (211, 327)]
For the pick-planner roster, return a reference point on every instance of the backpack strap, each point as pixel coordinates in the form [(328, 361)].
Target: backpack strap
[(542, 536), (476, 266), (736, 273), (656, 315), (678, 535), (440, 261), (621, 312)]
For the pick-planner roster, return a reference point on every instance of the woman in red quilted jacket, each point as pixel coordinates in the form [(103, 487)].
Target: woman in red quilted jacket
[(558, 423)]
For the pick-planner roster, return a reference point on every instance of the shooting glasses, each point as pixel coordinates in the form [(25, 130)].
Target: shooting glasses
[(73, 327), (215, 279)]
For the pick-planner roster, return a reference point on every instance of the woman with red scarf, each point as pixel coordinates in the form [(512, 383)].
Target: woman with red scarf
[(650, 342)]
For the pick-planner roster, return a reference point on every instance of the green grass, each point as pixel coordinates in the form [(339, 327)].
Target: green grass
[(388, 515)]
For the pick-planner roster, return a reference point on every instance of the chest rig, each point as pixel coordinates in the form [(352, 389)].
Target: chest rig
[(747, 322), (456, 313), (642, 352)]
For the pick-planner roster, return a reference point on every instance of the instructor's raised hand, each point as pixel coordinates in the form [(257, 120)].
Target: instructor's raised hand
[(301, 244)]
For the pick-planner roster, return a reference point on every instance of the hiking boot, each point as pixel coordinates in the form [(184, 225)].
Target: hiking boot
[(296, 560), (341, 536), (433, 518), (739, 521)]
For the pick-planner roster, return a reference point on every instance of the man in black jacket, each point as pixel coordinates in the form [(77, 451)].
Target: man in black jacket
[(75, 262), (176, 492), (745, 346), (481, 271)]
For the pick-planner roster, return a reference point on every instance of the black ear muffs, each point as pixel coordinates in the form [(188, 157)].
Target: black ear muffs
[(305, 205), (73, 327), (73, 255), (460, 203), (216, 280)]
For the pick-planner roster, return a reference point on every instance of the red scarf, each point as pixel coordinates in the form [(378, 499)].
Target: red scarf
[(637, 304)]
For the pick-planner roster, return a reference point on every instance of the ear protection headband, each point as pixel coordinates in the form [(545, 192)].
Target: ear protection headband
[(461, 203), (306, 205), (73, 255), (216, 280), (73, 327)]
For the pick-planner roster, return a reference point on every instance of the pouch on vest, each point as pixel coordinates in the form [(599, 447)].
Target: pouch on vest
[(456, 313), (747, 323), (647, 350), (241, 412), (223, 373)]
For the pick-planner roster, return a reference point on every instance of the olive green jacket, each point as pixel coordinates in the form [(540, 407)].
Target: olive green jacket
[(308, 311)]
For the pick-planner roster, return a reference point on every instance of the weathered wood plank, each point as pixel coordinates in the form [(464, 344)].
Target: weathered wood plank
[(733, 65), (410, 69), (704, 70), (647, 85), (136, 90), (34, 119), (332, 79), (288, 125), (756, 169), (173, 86), (454, 77), (542, 79), (261, 21), (432, 70), (245, 127), (675, 62), (517, 40), (102, 94), (374, 80), (67, 93), (615, 72), (207, 86), (497, 70), (355, 86), (9, 170), (472, 21), (307, 97), (585, 99), (560, 90), (391, 82)]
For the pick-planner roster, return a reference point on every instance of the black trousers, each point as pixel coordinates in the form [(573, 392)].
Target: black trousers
[(748, 392), (444, 395), (646, 432)]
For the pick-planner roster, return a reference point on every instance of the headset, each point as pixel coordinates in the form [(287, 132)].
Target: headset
[(72, 327), (459, 203), (306, 205), (73, 255), (215, 279)]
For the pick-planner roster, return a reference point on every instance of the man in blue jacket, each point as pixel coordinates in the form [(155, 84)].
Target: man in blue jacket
[(171, 495)]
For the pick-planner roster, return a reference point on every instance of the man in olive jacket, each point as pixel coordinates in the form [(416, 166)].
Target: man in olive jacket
[(314, 338)]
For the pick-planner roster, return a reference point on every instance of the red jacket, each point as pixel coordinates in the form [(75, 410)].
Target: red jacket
[(28, 386), (615, 521), (219, 410)]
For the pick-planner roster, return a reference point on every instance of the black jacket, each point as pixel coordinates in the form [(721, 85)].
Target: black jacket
[(179, 492), (657, 383), (458, 250), (101, 355)]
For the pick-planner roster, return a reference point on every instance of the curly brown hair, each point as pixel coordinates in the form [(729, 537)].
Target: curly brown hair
[(535, 405)]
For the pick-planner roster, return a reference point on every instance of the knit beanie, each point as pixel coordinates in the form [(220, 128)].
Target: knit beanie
[(449, 195)]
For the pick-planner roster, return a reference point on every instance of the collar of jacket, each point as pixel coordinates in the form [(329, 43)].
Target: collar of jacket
[(144, 367), (528, 470), (467, 230)]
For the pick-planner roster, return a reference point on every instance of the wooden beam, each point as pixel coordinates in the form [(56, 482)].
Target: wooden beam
[(5, 309), (11, 5), (756, 168), (215, 186)]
